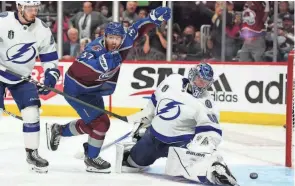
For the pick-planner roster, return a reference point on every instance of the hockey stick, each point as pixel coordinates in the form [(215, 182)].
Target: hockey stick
[(123, 118), (13, 115), (80, 155)]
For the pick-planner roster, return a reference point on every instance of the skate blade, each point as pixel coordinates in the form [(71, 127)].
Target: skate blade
[(48, 135), (41, 170), (94, 170)]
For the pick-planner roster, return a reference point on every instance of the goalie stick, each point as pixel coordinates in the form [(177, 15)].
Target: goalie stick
[(80, 154)]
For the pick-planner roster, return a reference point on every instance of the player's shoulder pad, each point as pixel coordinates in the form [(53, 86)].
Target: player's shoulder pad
[(40, 24), (3, 14), (174, 77), (173, 80)]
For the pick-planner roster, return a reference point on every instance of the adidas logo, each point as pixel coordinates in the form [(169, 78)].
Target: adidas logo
[(222, 93)]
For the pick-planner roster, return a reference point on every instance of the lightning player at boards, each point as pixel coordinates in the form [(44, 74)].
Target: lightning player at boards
[(93, 75), (23, 37), (182, 124)]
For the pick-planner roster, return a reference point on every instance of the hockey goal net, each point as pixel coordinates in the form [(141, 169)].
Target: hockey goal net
[(290, 116)]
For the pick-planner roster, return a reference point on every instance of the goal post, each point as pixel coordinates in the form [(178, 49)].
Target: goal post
[(290, 111)]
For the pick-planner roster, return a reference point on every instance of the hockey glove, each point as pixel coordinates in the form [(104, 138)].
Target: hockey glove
[(109, 60), (160, 14), (139, 129), (51, 77)]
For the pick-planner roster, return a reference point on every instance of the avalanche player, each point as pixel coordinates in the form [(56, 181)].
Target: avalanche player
[(182, 124), (22, 38), (93, 75)]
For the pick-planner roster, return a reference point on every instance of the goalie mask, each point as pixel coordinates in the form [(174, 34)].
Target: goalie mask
[(201, 78)]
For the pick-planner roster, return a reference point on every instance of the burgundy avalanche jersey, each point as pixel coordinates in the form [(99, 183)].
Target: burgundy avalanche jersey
[(253, 25), (89, 75)]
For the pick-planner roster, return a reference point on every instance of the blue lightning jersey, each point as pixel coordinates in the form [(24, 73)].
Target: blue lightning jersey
[(21, 44), (177, 116)]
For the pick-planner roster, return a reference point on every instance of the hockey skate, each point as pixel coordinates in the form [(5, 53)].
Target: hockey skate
[(97, 165), (36, 163), (53, 134), (222, 175)]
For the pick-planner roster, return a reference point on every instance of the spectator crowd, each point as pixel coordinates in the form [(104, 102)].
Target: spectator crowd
[(249, 29)]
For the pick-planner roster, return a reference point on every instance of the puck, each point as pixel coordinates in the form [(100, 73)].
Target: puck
[(253, 175)]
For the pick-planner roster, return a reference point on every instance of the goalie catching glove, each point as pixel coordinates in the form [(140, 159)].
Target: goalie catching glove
[(139, 129)]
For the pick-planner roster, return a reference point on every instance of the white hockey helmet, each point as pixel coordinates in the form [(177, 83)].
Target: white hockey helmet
[(28, 3)]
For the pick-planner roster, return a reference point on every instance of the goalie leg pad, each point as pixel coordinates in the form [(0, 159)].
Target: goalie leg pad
[(141, 155), (31, 126), (122, 154), (199, 167)]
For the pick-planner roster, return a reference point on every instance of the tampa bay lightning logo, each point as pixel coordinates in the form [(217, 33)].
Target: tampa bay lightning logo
[(168, 109), (21, 53)]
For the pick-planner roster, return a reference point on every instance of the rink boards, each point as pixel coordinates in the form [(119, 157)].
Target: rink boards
[(244, 92)]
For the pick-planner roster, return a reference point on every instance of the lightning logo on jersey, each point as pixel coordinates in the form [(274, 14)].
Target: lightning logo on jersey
[(21, 44), (168, 109), (21, 53)]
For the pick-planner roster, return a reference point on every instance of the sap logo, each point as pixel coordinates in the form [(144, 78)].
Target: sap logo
[(223, 94), (274, 92), (195, 154), (148, 77), (168, 109), (21, 53)]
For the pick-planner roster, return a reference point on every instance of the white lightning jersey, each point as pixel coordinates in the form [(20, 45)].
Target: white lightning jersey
[(21, 44), (178, 116)]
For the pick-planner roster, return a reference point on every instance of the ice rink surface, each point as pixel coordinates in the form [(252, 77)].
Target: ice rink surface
[(246, 149)]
